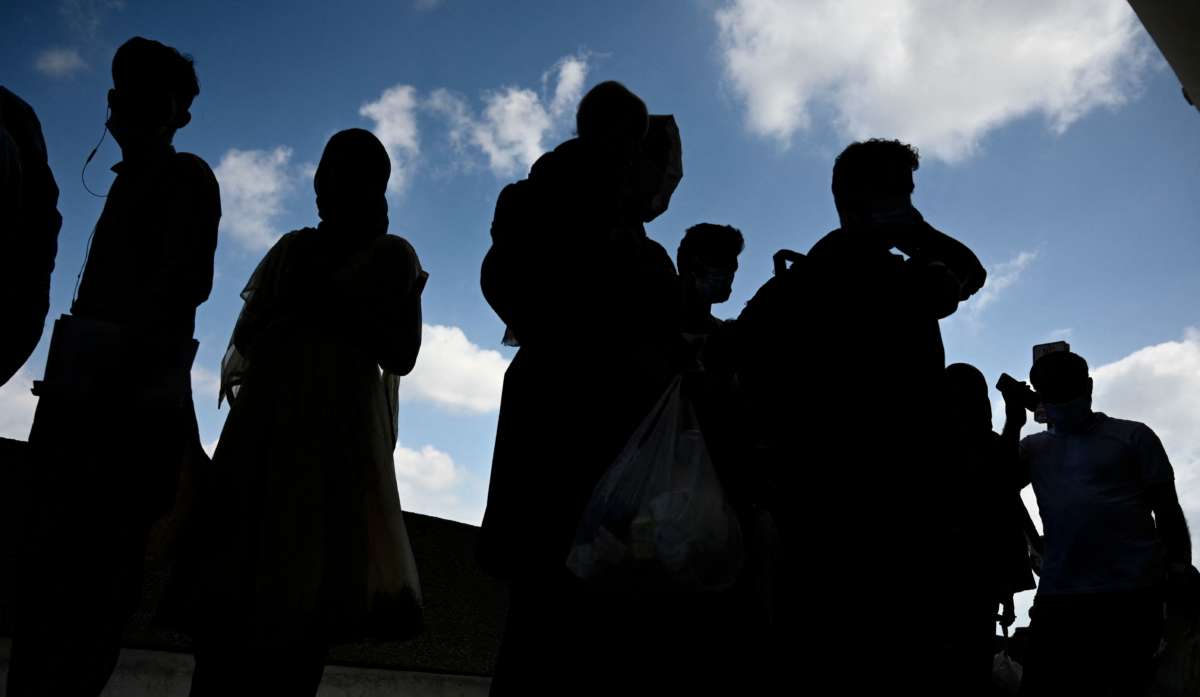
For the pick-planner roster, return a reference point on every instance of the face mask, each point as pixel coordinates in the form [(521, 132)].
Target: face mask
[(1069, 416), (714, 286)]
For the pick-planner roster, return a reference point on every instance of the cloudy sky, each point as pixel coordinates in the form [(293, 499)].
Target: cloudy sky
[(1054, 142)]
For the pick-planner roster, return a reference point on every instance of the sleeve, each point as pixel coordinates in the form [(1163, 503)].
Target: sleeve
[(1152, 463), (195, 216), (397, 325)]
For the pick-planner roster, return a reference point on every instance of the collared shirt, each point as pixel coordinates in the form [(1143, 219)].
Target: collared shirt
[(1091, 488), (151, 258)]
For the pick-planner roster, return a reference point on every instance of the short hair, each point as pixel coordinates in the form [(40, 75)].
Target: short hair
[(611, 112), (147, 65), (873, 168), (1060, 376), (709, 241)]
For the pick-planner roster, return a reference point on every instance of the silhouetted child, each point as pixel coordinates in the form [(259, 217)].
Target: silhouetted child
[(115, 419), (982, 550)]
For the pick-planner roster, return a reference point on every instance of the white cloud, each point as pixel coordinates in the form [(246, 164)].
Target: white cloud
[(17, 405), (1000, 277), (1160, 386), (253, 184), (515, 121), (1063, 334), (395, 117), (59, 62), (939, 74), (454, 373), (569, 74), (86, 16), (205, 385), (430, 482)]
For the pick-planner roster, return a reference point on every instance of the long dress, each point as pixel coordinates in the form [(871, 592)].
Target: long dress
[(300, 530)]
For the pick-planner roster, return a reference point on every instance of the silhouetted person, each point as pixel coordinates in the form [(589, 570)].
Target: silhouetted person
[(29, 222), (115, 418), (982, 550), (840, 361), (300, 537), (1114, 535), (594, 304), (707, 260)]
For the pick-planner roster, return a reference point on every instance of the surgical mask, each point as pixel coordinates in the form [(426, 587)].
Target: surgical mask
[(714, 286), (1069, 416)]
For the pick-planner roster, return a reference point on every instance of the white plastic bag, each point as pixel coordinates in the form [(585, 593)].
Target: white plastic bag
[(1006, 674), (658, 518)]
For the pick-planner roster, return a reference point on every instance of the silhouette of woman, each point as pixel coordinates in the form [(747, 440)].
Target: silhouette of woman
[(300, 537)]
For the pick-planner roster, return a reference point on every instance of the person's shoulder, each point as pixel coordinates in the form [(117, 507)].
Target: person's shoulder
[(1125, 430), (395, 248), (831, 243), (193, 171), (1036, 441), (191, 164)]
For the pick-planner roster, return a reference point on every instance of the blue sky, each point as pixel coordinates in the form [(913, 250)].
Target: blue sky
[(1055, 143)]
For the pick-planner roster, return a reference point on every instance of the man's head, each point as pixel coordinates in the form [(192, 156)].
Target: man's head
[(1061, 377), (707, 257), (966, 393), (873, 182), (153, 89), (613, 119)]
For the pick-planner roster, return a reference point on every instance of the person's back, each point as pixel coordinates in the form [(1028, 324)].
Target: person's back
[(115, 421), (29, 240)]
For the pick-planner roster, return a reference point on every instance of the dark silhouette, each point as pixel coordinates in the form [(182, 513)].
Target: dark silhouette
[(594, 304), (1115, 538), (30, 222), (115, 420), (707, 260), (840, 359), (299, 537), (985, 558)]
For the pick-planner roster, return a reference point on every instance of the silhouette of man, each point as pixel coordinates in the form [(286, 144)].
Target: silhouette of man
[(594, 304), (30, 224), (985, 555), (841, 360), (1115, 537), (115, 417), (707, 260)]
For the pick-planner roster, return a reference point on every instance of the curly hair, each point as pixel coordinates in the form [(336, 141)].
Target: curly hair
[(873, 168)]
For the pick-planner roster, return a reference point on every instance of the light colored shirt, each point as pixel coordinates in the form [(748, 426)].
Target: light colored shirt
[(1091, 486)]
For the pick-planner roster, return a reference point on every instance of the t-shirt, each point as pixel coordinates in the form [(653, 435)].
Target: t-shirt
[(1091, 489)]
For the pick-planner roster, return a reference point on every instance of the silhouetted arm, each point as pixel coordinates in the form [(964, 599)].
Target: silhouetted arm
[(1159, 479), (932, 246), (400, 333), (195, 211)]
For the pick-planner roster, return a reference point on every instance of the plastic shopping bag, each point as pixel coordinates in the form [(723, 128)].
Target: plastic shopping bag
[(658, 518)]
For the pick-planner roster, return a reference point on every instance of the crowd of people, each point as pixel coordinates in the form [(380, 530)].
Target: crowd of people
[(882, 533)]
